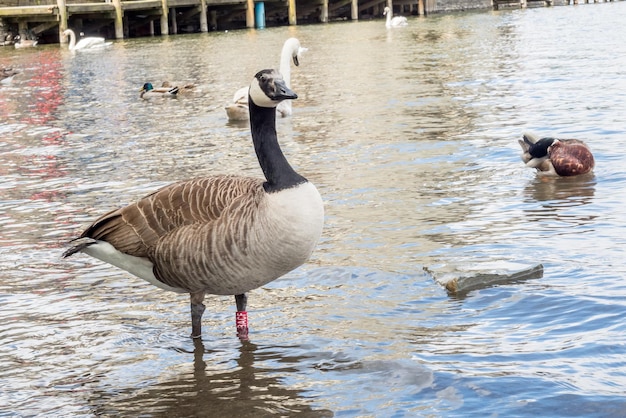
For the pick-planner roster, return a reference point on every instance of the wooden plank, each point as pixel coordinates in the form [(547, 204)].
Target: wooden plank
[(141, 5), (42, 27), (459, 284), (183, 3), (102, 7), (28, 11), (77, 8)]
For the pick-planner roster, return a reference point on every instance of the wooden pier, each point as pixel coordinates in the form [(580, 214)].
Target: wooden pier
[(119, 19), (46, 20)]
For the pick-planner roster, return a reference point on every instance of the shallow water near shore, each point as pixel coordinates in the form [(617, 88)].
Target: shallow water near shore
[(411, 138)]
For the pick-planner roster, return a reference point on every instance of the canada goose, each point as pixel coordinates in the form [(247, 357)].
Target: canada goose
[(393, 22), (88, 43), (148, 91), (24, 43), (556, 157), (291, 51), (222, 235)]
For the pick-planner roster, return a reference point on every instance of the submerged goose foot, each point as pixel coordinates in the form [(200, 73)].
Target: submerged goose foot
[(241, 317), (197, 309)]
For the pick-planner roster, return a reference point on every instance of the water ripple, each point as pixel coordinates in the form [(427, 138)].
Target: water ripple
[(411, 138)]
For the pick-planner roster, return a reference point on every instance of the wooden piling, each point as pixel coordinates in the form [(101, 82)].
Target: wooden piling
[(173, 22), (164, 17), (250, 14), (324, 12), (291, 12), (62, 20), (204, 26), (420, 7), (119, 19)]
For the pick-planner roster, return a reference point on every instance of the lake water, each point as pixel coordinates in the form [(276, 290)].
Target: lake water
[(411, 137)]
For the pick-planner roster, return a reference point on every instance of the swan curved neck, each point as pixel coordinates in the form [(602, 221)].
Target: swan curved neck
[(277, 170), (286, 56), (72, 39)]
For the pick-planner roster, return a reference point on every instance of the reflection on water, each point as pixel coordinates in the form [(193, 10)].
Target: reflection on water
[(560, 200), (411, 137), (577, 190), (243, 390)]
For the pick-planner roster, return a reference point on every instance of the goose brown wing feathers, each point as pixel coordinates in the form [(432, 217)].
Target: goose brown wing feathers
[(136, 228), (209, 256)]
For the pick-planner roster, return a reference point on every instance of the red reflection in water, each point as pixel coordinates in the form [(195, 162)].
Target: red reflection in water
[(40, 92), (45, 87)]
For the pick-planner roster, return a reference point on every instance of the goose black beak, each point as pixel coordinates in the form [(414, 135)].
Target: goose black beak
[(283, 92)]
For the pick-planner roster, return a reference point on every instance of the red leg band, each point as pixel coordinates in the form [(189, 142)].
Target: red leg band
[(241, 320)]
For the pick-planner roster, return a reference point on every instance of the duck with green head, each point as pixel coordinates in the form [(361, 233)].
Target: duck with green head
[(149, 91)]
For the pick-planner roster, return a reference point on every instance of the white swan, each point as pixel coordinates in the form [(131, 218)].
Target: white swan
[(292, 51), (89, 43), (222, 235), (393, 22)]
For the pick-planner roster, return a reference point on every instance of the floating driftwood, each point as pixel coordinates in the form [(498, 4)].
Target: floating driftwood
[(459, 285)]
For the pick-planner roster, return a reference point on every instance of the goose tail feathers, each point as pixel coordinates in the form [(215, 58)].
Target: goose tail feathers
[(78, 245)]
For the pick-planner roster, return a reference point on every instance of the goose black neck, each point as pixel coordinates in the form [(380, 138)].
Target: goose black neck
[(278, 173)]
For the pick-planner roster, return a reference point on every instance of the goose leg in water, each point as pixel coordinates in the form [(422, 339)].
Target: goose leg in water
[(241, 317), (197, 309)]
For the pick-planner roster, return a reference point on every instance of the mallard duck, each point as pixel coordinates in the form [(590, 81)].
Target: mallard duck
[(88, 43), (556, 157), (238, 109), (9, 39), (223, 234), (182, 88), (393, 22), (291, 51), (148, 91), (24, 43)]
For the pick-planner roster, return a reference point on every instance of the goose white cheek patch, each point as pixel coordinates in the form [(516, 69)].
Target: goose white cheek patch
[(259, 97)]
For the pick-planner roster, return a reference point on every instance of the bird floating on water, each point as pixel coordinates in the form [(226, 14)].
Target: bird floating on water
[(8, 39), (291, 52), (90, 43), (393, 22), (149, 91), (24, 43), (221, 235), (7, 74), (182, 88), (556, 157)]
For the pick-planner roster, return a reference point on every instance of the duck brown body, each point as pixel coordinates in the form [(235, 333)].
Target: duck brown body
[(556, 157), (571, 157)]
